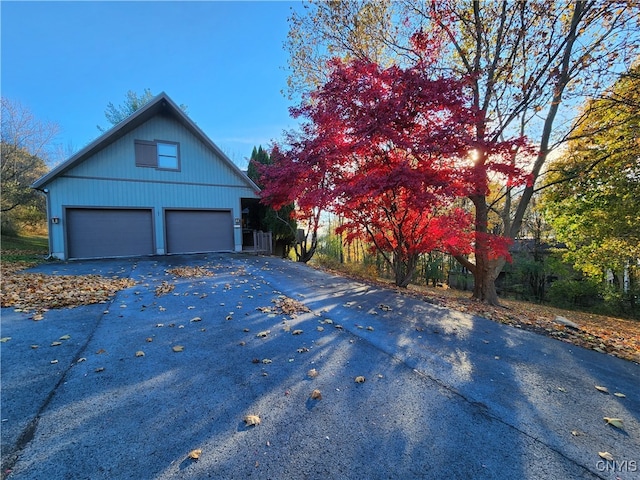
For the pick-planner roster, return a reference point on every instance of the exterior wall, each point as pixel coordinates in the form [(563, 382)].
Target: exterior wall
[(111, 179)]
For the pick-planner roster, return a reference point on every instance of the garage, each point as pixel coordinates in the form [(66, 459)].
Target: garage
[(195, 231), (104, 232)]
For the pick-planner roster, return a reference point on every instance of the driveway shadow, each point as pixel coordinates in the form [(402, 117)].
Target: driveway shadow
[(436, 402)]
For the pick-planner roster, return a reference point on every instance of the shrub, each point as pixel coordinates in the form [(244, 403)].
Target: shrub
[(574, 293)]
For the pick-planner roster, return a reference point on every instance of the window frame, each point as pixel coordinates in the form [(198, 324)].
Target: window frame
[(147, 154), (177, 155)]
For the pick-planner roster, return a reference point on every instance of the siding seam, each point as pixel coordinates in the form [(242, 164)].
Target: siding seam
[(165, 182)]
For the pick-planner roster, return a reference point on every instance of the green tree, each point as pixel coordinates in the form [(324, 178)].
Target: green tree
[(530, 61), (594, 187), (278, 222), (132, 102), (25, 147)]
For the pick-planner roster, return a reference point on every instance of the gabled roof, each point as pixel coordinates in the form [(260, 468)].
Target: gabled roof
[(159, 104)]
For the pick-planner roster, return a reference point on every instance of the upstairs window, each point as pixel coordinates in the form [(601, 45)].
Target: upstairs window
[(168, 155), (157, 154)]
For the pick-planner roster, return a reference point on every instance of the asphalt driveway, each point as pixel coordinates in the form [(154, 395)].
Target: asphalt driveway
[(446, 395)]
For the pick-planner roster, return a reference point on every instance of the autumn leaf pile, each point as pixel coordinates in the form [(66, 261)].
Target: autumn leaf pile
[(37, 292), (289, 306), (190, 272)]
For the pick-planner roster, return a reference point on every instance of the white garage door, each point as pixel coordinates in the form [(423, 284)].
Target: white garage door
[(97, 233), (195, 231)]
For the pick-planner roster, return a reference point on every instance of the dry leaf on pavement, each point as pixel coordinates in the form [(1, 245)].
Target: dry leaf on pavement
[(252, 420), (616, 422), (195, 454)]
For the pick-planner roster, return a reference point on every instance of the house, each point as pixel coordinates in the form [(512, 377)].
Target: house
[(154, 184)]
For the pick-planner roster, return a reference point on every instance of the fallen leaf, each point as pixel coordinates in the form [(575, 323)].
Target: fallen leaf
[(296, 332), (65, 337), (99, 369), (34, 346), (316, 395), (370, 328), (302, 350), (5, 339), (80, 360), (195, 319), (562, 389), (360, 379), (164, 288), (266, 361), (602, 389), (56, 344), (139, 353), (320, 329), (263, 334), (616, 422), (620, 395), (101, 351), (195, 454), (313, 373), (177, 348), (54, 361), (149, 339), (606, 456), (252, 420)]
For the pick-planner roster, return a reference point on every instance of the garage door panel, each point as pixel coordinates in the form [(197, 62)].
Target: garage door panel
[(96, 233), (194, 231)]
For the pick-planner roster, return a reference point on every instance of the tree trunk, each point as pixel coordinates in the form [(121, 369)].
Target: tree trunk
[(485, 278), (486, 269), (404, 270)]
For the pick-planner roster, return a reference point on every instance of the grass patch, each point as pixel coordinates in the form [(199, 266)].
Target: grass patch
[(23, 248)]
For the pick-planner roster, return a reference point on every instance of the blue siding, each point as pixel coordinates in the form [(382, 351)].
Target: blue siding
[(198, 162), (110, 178)]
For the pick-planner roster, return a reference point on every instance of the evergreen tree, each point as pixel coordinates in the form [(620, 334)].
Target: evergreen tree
[(279, 222)]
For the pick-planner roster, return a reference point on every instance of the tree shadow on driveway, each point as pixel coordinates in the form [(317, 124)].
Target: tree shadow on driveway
[(435, 402)]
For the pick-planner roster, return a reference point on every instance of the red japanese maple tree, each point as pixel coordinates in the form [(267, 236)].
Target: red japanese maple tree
[(389, 150)]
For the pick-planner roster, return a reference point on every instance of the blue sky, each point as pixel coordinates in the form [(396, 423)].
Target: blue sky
[(66, 61)]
